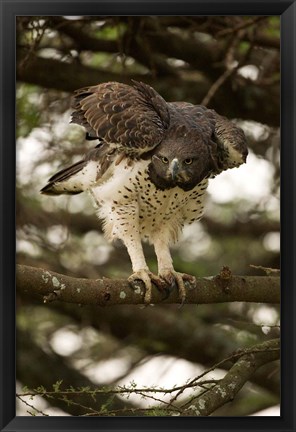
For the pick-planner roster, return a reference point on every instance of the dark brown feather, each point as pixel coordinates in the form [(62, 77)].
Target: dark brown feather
[(134, 118), (221, 133)]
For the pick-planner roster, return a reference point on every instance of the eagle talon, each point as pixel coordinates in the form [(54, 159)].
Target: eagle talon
[(164, 290), (176, 279), (189, 278), (164, 285), (147, 277)]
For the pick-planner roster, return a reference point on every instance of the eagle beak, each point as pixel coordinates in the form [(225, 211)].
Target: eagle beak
[(174, 168)]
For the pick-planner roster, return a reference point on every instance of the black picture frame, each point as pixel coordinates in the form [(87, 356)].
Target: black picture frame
[(9, 10)]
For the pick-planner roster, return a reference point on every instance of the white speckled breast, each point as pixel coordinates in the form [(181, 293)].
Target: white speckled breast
[(132, 201)]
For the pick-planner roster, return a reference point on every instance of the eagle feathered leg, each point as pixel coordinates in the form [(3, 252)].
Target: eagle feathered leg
[(167, 276), (142, 272), (140, 268), (129, 233)]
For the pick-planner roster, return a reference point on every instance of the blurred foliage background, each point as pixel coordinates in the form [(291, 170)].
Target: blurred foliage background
[(230, 64)]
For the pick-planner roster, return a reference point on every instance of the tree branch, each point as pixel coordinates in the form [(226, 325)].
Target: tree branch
[(32, 371), (106, 292), (235, 378), (51, 73), (205, 345), (125, 45), (207, 25)]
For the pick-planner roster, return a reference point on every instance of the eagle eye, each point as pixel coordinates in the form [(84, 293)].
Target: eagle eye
[(188, 161), (164, 159)]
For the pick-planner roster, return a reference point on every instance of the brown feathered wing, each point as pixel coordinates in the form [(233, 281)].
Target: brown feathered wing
[(133, 119)]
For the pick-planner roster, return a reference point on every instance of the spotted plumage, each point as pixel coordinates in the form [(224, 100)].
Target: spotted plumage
[(150, 170)]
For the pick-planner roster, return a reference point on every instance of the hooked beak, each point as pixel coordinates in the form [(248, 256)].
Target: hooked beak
[(174, 168)]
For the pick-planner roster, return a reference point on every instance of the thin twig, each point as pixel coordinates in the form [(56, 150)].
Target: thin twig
[(31, 406), (241, 26)]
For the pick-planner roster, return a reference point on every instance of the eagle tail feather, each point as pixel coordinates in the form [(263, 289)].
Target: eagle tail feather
[(67, 181)]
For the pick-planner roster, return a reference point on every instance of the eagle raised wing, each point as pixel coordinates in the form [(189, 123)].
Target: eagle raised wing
[(133, 119), (128, 121), (227, 141)]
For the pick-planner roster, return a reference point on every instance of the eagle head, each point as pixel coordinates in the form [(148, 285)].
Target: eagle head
[(182, 161)]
